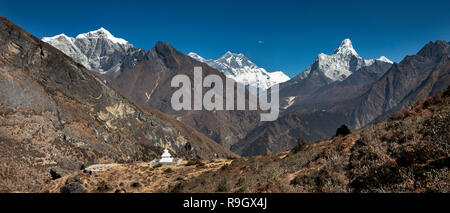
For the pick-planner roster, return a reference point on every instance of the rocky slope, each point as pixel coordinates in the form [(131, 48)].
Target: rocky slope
[(378, 95), (133, 178), (56, 114), (242, 70), (408, 153), (99, 51), (149, 83)]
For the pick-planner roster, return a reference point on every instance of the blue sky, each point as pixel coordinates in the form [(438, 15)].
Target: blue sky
[(277, 35)]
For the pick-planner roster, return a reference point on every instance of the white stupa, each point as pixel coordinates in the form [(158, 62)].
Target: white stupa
[(166, 157)]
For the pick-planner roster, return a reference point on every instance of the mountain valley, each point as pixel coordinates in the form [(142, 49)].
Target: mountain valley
[(347, 124)]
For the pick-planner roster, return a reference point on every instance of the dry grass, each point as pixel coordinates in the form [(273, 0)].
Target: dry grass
[(135, 178)]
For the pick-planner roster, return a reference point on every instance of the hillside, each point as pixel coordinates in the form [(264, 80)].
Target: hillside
[(408, 153), (149, 84)]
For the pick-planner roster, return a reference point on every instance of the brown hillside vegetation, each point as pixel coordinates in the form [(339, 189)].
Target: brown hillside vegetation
[(408, 153)]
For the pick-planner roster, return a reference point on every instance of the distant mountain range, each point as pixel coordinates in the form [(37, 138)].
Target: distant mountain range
[(340, 88), (70, 102), (107, 55), (145, 78), (242, 70), (327, 69)]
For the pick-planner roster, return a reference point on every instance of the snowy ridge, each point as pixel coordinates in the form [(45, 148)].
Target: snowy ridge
[(196, 57), (384, 59), (98, 51), (346, 48), (242, 70)]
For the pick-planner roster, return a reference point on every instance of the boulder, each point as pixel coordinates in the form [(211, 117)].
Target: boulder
[(57, 173)]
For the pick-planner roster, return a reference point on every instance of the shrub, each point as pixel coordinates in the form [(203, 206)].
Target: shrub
[(397, 116), (301, 145), (447, 92)]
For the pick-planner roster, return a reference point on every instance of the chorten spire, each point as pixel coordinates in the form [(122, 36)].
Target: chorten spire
[(166, 157)]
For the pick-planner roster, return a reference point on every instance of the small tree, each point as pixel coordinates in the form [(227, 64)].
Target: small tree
[(301, 145)]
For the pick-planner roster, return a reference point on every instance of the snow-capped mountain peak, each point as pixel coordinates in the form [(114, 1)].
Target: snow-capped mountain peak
[(346, 48), (338, 66), (384, 59), (241, 69), (102, 33), (227, 54)]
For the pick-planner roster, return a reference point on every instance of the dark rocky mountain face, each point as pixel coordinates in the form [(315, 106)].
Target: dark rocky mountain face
[(414, 78), (356, 104), (149, 83), (56, 113), (328, 69)]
